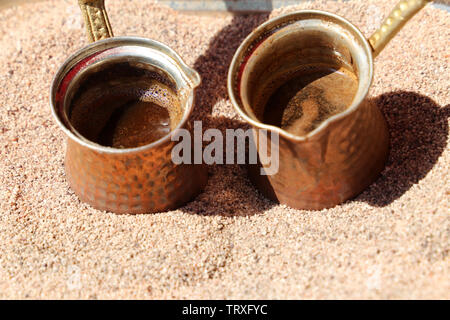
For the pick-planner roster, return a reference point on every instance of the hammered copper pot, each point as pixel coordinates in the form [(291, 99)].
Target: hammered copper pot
[(346, 152), (125, 180)]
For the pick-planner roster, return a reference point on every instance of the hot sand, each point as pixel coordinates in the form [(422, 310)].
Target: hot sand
[(392, 241)]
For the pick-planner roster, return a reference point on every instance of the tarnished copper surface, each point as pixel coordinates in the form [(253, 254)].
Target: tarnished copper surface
[(337, 158)]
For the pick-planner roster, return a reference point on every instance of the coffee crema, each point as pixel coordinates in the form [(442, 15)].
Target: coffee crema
[(309, 96), (125, 107)]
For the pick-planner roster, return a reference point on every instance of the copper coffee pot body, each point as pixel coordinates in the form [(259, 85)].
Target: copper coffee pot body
[(141, 179), (346, 152)]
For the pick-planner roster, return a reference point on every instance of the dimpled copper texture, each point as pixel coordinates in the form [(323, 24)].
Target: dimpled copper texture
[(331, 167), (140, 182), (141, 179), (346, 152)]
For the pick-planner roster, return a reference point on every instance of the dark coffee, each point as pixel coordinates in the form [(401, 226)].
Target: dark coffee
[(134, 124), (309, 96), (125, 107)]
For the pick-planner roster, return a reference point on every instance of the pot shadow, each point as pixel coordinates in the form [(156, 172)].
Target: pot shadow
[(418, 131), (214, 63), (226, 183), (228, 192)]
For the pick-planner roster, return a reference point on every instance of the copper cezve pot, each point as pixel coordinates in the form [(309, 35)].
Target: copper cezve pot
[(347, 151), (136, 179)]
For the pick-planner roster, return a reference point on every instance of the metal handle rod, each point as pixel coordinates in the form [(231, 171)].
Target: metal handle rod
[(96, 19), (401, 14)]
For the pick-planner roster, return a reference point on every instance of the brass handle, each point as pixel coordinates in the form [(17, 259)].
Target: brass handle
[(402, 13), (95, 19)]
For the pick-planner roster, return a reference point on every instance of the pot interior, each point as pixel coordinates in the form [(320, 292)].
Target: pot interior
[(123, 103), (302, 69), (123, 94)]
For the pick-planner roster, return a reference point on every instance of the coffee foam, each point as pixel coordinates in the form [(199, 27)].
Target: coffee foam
[(101, 93)]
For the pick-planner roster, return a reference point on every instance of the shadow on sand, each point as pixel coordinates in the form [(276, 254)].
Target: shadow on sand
[(418, 131)]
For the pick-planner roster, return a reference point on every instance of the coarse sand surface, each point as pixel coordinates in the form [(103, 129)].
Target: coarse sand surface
[(392, 241)]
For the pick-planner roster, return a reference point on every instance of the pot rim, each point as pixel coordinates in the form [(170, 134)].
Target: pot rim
[(234, 67), (189, 75)]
